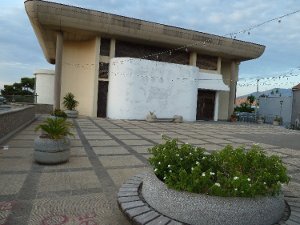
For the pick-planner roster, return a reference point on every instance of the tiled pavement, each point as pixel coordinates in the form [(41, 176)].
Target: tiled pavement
[(105, 153)]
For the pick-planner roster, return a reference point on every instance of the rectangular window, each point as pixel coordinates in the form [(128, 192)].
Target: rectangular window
[(105, 47), (103, 70), (207, 62)]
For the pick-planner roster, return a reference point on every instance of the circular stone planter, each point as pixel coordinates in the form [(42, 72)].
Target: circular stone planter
[(71, 113), (199, 209), (50, 151)]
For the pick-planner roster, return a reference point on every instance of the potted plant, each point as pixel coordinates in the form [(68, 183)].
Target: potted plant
[(232, 186), (59, 113), (70, 104), (53, 145), (261, 120), (151, 117), (277, 121), (233, 117)]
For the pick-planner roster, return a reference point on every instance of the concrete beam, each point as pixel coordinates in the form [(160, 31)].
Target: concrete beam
[(58, 69)]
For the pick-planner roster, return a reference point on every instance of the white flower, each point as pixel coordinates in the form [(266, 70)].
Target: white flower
[(235, 178), (186, 143), (159, 163), (242, 191), (265, 183), (165, 178), (155, 170), (180, 158), (218, 184), (195, 150), (177, 155), (190, 153), (204, 157), (170, 171), (203, 174), (197, 163), (235, 189), (248, 179), (192, 168), (164, 149), (169, 166), (161, 134), (211, 173)]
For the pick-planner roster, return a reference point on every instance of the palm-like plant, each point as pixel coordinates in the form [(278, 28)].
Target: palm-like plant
[(69, 101), (55, 128)]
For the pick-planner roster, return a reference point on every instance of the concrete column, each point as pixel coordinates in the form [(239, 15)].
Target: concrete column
[(193, 58), (232, 86), (216, 112), (112, 51), (219, 65), (58, 69)]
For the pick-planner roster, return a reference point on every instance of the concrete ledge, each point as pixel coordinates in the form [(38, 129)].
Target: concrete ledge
[(15, 120), (139, 212)]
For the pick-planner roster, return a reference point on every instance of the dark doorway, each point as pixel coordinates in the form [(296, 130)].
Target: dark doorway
[(102, 98), (205, 105)]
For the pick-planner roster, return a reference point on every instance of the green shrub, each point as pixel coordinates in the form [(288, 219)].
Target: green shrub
[(59, 113), (56, 128), (229, 172), (69, 101)]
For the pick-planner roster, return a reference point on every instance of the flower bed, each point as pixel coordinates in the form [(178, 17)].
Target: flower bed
[(228, 173)]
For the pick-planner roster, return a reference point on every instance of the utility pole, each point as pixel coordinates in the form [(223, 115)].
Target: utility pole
[(257, 100)]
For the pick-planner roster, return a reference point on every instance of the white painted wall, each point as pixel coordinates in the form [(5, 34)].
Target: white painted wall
[(270, 108), (138, 86), (44, 86)]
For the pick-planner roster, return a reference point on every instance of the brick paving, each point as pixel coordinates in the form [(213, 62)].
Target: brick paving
[(104, 154)]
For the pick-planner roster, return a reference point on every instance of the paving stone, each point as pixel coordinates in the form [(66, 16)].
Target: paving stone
[(64, 181), (128, 199), (146, 217), (73, 163), (129, 205), (161, 220), (119, 176), (110, 150), (142, 149), (136, 142), (11, 183), (127, 193), (137, 211), (109, 161), (9, 164), (127, 137), (95, 143)]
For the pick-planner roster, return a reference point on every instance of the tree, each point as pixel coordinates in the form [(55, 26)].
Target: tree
[(25, 87), (251, 99)]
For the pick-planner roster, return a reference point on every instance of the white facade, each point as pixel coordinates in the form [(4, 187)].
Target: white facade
[(44, 86), (137, 87)]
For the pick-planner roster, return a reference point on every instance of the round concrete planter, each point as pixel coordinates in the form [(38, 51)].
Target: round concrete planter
[(71, 113), (50, 151), (276, 123), (199, 209), (151, 118)]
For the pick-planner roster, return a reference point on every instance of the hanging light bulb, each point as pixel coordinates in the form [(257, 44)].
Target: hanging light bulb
[(248, 32), (279, 21)]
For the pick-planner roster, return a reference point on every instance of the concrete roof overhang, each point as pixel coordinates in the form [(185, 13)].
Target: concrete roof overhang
[(78, 24)]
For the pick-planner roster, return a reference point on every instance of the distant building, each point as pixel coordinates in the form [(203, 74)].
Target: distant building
[(296, 106), (44, 86), (112, 66)]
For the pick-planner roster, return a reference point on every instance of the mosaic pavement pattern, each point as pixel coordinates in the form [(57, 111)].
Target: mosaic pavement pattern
[(104, 154)]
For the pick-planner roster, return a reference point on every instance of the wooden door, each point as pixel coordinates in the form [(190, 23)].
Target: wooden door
[(102, 98), (205, 105)]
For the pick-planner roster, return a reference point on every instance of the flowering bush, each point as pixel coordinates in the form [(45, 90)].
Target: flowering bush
[(229, 172)]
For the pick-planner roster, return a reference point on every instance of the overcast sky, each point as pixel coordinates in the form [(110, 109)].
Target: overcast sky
[(21, 55)]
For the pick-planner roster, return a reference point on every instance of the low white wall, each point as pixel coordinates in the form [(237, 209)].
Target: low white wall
[(270, 107), (138, 86), (44, 86)]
